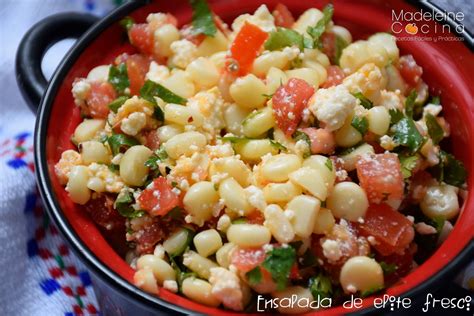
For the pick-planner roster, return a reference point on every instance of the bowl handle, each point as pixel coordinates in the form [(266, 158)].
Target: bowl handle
[(35, 43)]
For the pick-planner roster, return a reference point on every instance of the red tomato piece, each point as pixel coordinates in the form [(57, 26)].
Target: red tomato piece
[(403, 262), (328, 40), (102, 93), (255, 217), (246, 46), (392, 231), (152, 140), (137, 67), (158, 198), (289, 101), (295, 272), (245, 259), (419, 184), (410, 70), (335, 76), (102, 211), (283, 16), (381, 177), (187, 33), (141, 36), (322, 140)]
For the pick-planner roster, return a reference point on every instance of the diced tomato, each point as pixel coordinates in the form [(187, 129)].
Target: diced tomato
[(381, 177), (392, 231), (402, 261), (152, 140), (141, 36), (102, 93), (137, 67), (246, 46), (245, 259), (289, 101), (102, 211), (335, 76), (328, 40), (295, 272), (255, 217), (158, 198), (188, 33), (419, 184), (410, 70), (322, 140), (283, 16)]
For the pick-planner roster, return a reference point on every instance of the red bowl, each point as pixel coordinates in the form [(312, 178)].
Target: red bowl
[(448, 67)]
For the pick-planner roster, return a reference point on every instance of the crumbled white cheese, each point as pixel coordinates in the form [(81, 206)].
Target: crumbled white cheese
[(159, 251), (80, 91), (183, 53), (332, 106), (387, 142), (255, 197), (112, 182), (69, 159), (331, 250), (226, 286), (433, 109), (158, 18), (133, 124), (261, 18), (157, 73), (368, 80), (291, 52), (223, 223), (391, 100)]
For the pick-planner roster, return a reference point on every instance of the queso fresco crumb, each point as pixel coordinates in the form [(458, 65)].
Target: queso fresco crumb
[(277, 156)]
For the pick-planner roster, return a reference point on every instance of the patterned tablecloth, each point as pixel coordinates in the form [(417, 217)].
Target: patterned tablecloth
[(39, 275)]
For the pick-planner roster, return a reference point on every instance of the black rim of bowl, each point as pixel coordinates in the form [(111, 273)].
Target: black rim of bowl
[(151, 302)]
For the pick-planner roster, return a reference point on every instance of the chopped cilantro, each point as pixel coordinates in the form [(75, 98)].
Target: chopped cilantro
[(395, 116), (123, 204), (366, 103), (435, 131), (127, 23), (234, 139), (451, 170), (152, 89), (240, 220), (410, 103), (340, 45), (284, 37), (406, 134), (117, 103), (113, 168), (254, 276), (279, 262), (320, 286), (388, 268), (277, 145), (361, 124), (118, 77), (119, 142), (329, 164), (316, 31), (435, 100), (408, 163), (371, 291), (203, 19), (299, 135)]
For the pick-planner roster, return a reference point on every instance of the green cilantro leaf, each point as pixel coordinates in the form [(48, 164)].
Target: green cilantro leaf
[(299, 135), (410, 103), (284, 37), (234, 139), (435, 100), (340, 45), (435, 131), (254, 276), (121, 142), (388, 268), (316, 31), (371, 291), (117, 103), (279, 262), (127, 23), (408, 163), (203, 20), (277, 145), (152, 89), (361, 124), (123, 204), (329, 164), (395, 116), (320, 286), (118, 77), (451, 170), (366, 103), (406, 134)]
